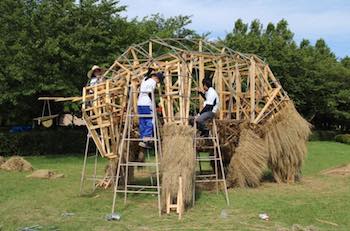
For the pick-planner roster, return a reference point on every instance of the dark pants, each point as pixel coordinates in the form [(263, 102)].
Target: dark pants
[(202, 119), (145, 124)]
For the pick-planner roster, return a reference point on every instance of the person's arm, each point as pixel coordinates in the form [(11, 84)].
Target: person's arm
[(206, 108), (202, 94)]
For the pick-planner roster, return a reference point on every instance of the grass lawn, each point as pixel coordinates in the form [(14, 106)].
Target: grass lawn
[(318, 199)]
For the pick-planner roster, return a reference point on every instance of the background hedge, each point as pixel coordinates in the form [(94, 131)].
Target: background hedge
[(44, 142), (343, 138)]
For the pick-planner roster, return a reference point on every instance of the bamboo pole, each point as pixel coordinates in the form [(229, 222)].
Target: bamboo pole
[(252, 89)]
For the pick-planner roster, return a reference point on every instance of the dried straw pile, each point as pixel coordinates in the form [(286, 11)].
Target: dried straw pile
[(2, 160), (178, 159), (228, 132), (249, 160), (286, 134), (45, 174), (16, 163)]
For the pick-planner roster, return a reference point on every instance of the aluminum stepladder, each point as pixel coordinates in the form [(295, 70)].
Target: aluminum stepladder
[(216, 158), (94, 177), (124, 154)]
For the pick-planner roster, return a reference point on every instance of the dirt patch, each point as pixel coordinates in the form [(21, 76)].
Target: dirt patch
[(343, 170), (45, 174), (17, 163)]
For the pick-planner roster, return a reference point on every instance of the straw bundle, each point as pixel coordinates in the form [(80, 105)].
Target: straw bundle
[(249, 160), (286, 134), (178, 159)]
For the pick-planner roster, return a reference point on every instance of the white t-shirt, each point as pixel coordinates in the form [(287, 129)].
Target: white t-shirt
[(147, 86), (93, 81), (210, 97)]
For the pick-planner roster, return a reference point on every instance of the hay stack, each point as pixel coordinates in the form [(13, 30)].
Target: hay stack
[(249, 160), (286, 134), (17, 163), (2, 160), (178, 159), (228, 132)]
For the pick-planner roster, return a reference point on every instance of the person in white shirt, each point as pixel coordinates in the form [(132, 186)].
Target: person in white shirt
[(211, 105), (145, 106), (95, 75)]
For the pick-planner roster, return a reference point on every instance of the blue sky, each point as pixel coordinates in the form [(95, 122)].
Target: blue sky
[(313, 19)]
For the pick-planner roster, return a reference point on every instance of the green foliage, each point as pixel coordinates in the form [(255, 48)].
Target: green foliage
[(343, 138), (317, 82), (323, 135), (43, 142), (48, 46)]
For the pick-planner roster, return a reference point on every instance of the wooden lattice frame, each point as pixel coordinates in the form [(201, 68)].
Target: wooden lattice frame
[(247, 88)]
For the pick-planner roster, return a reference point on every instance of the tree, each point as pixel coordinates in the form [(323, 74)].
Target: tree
[(51, 44), (313, 77)]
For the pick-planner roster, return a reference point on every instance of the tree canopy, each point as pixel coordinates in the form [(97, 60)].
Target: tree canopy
[(311, 74), (47, 46)]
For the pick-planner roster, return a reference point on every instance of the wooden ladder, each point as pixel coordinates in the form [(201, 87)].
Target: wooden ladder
[(124, 154), (216, 158)]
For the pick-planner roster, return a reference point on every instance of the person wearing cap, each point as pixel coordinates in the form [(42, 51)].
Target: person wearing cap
[(145, 105), (95, 75), (211, 105)]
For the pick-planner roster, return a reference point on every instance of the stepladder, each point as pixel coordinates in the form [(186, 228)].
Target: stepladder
[(208, 150), (84, 176), (122, 184)]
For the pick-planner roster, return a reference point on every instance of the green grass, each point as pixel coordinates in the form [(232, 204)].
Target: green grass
[(27, 202)]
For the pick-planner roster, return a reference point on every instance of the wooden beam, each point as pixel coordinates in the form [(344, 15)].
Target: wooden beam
[(252, 88)]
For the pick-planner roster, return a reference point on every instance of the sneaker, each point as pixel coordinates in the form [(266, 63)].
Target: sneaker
[(146, 145), (142, 144)]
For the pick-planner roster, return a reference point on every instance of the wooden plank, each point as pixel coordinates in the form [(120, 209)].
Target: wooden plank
[(238, 93), (268, 103), (252, 89)]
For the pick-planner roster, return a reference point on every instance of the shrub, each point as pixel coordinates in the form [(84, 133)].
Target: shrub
[(43, 142), (323, 135), (343, 138)]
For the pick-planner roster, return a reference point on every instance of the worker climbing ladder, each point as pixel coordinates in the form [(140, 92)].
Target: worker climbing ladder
[(122, 182), (217, 174)]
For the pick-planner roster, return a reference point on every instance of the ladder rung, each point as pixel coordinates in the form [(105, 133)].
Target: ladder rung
[(212, 180), (141, 186), (131, 191), (139, 164), (208, 175), (141, 116), (205, 138), (140, 139), (208, 159)]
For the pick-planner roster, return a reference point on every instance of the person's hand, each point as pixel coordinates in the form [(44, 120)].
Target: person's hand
[(196, 117), (199, 90)]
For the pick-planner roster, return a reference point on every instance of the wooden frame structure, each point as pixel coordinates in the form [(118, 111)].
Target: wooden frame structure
[(246, 86)]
